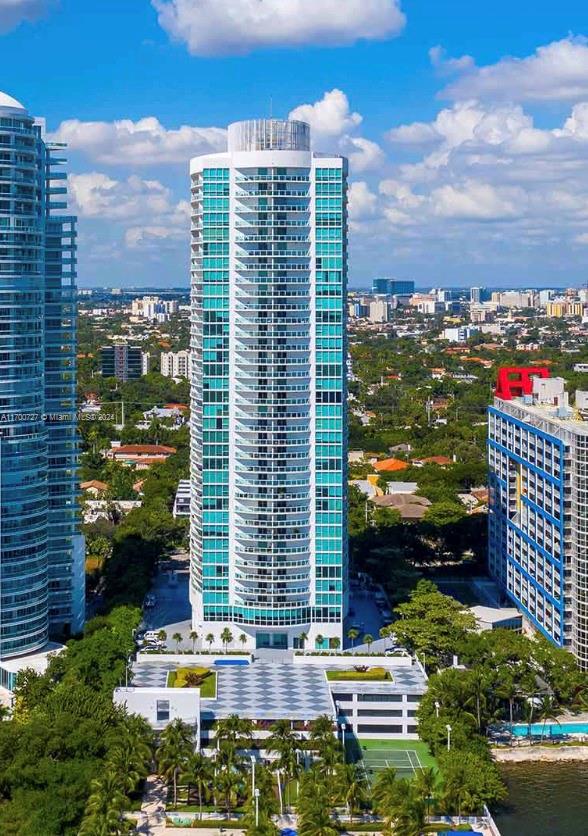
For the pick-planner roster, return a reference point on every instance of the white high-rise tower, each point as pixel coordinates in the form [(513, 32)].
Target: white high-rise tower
[(269, 457)]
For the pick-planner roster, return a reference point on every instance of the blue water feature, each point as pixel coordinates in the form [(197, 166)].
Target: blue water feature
[(226, 662), (550, 729)]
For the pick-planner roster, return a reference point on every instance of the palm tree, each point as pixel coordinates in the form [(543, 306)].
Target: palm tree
[(229, 783), (322, 729), (479, 687), (286, 743), (178, 638), (266, 805), (410, 817), (210, 640), (130, 760), (174, 751), (406, 809), (508, 689), (226, 638), (425, 783), (352, 778), (193, 638), (314, 807), (303, 638), (369, 640), (352, 635), (335, 643), (243, 639), (549, 709), (329, 748), (162, 636), (234, 729), (319, 641), (104, 810), (199, 773), (386, 793), (331, 755)]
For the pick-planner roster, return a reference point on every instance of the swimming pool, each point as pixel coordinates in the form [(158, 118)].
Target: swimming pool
[(229, 662), (550, 729)]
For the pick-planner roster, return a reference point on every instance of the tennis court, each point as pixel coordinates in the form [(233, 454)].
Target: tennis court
[(406, 757)]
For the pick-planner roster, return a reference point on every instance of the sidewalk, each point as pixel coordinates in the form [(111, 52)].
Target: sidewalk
[(151, 819)]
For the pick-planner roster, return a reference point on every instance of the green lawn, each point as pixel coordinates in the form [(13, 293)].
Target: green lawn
[(371, 675)]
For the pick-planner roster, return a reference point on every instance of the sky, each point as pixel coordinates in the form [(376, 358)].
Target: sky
[(465, 123)]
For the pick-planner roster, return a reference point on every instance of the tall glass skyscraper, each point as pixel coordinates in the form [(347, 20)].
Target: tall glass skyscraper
[(41, 553), (269, 436)]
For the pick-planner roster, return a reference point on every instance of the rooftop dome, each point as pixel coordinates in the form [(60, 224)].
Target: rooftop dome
[(10, 103)]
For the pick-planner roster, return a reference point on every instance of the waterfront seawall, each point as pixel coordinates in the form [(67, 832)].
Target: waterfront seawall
[(524, 754)]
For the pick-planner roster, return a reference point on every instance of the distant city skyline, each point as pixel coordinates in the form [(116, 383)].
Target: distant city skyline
[(353, 288), (467, 134)]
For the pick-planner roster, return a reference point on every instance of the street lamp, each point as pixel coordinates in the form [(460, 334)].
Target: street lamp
[(252, 774), (448, 727), (127, 671), (343, 727), (437, 707), (256, 795)]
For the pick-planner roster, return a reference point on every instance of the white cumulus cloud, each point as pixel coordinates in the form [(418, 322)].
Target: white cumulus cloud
[(333, 127), (136, 143), (363, 154), (555, 72), (217, 27), (362, 201), (577, 124), (330, 117), (98, 195), (144, 210), (465, 121), (14, 12), (473, 201)]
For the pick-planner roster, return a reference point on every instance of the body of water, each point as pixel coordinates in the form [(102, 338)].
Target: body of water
[(545, 799)]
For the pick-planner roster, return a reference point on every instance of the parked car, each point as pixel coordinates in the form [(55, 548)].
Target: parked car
[(153, 644)]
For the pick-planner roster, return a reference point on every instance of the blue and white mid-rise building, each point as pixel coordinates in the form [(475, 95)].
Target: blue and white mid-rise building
[(538, 521), (268, 351), (41, 551)]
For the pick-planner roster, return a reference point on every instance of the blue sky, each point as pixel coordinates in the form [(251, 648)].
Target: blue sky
[(467, 130)]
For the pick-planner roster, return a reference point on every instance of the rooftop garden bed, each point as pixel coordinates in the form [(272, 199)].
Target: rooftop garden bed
[(361, 673), (202, 678)]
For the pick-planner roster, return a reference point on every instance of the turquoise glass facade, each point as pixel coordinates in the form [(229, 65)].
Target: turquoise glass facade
[(269, 448), (330, 463), (38, 449)]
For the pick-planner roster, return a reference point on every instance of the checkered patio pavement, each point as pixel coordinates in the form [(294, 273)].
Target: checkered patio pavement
[(259, 691)]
